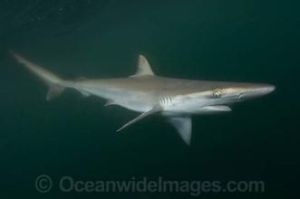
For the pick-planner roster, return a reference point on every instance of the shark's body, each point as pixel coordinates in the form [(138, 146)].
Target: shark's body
[(147, 93)]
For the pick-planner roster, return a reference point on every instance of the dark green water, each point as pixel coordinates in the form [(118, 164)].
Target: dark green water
[(251, 41)]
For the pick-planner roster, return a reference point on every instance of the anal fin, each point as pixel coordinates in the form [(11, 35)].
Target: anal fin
[(110, 102), (85, 94), (54, 91)]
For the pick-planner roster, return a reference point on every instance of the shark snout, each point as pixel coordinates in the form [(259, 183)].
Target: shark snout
[(256, 91), (267, 89), (261, 90)]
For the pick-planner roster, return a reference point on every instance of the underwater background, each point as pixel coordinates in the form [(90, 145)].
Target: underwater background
[(248, 41)]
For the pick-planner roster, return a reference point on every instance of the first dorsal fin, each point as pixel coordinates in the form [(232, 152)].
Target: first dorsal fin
[(143, 67)]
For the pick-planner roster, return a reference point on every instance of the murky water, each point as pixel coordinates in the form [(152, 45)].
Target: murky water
[(256, 41)]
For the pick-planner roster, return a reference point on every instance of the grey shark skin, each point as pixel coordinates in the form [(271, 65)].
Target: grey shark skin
[(147, 93)]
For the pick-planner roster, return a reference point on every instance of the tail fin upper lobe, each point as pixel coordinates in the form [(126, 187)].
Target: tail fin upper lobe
[(55, 83)]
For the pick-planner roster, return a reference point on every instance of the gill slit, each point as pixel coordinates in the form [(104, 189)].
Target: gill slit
[(167, 100)]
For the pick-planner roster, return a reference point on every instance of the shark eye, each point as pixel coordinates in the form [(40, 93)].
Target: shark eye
[(217, 93)]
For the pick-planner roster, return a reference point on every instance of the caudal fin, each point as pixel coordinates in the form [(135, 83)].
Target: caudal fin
[(55, 83)]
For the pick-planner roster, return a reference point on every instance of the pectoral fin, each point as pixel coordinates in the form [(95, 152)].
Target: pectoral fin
[(155, 109), (183, 125)]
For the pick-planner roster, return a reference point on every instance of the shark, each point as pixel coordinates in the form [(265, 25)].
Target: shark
[(147, 93)]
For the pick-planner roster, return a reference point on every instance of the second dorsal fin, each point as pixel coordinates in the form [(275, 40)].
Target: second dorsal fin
[(143, 67)]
